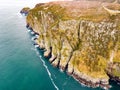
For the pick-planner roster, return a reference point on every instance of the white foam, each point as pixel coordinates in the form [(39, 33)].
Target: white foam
[(37, 36), (32, 32), (28, 30), (36, 46), (33, 49), (49, 73), (61, 70), (33, 38)]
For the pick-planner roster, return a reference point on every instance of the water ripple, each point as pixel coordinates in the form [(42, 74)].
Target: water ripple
[(50, 76)]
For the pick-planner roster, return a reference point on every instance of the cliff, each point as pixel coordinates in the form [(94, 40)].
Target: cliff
[(25, 11), (83, 38)]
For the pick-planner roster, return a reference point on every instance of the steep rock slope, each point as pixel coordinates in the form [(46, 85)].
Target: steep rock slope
[(83, 38)]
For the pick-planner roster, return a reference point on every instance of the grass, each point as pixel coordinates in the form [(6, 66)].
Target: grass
[(89, 61), (93, 68), (116, 73), (117, 57), (26, 9)]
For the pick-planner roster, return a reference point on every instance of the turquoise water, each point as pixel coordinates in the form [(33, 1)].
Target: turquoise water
[(22, 66)]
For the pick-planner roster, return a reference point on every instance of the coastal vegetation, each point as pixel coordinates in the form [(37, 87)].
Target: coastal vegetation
[(85, 39)]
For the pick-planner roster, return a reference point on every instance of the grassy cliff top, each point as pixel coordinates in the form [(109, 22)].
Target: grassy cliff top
[(57, 18), (25, 9), (88, 10)]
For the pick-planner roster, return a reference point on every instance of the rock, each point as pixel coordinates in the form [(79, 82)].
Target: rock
[(52, 58), (113, 71), (47, 53), (70, 69), (55, 63), (83, 38), (66, 55), (89, 81), (25, 11)]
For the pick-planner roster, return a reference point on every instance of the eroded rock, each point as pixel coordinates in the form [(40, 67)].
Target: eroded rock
[(83, 38), (25, 11)]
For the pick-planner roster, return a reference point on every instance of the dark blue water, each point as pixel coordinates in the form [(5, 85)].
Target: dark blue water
[(22, 66)]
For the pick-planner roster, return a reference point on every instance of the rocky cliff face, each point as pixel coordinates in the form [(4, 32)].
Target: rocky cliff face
[(82, 37), (25, 10)]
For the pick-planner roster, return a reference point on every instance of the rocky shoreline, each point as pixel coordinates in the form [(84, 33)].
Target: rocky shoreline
[(80, 77), (114, 78), (77, 39), (111, 72), (25, 11)]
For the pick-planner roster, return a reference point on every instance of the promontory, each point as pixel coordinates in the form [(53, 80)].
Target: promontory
[(81, 38)]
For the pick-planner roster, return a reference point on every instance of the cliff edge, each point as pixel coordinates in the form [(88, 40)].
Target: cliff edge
[(83, 38)]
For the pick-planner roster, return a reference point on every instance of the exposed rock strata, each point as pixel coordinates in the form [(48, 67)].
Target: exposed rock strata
[(80, 38), (113, 72), (25, 11)]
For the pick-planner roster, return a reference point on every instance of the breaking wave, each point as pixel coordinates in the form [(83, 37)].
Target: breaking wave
[(50, 76)]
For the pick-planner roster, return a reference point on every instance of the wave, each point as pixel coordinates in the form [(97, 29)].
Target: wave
[(28, 30), (33, 49), (49, 74), (61, 70), (33, 38)]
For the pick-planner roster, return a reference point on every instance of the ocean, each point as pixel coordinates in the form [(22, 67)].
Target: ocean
[(22, 66)]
